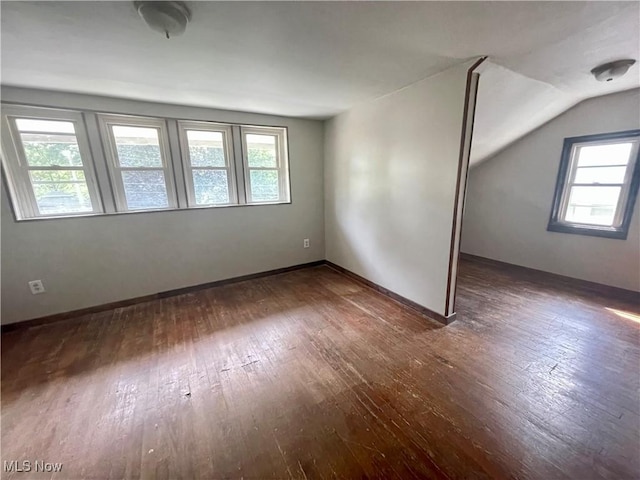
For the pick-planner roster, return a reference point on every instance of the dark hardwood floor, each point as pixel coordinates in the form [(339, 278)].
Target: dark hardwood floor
[(309, 374)]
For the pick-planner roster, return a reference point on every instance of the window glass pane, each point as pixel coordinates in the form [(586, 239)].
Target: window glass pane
[(613, 154), (43, 150), (210, 186), (592, 205), (206, 149), (60, 191), (137, 146), (600, 175), (261, 151), (264, 185), (45, 126), (145, 189)]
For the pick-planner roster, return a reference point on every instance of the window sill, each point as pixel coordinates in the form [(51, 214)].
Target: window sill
[(137, 212), (589, 230)]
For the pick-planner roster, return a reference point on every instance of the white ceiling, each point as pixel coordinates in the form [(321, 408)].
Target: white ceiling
[(316, 59)]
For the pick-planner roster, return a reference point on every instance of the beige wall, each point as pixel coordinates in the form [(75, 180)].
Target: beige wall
[(509, 200), (94, 260), (390, 183)]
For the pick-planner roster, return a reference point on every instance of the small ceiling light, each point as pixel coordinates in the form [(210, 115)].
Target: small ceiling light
[(168, 18), (612, 70)]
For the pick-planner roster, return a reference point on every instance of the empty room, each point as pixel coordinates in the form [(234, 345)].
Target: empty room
[(320, 240)]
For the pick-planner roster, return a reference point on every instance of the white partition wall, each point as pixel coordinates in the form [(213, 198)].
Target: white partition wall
[(392, 169)]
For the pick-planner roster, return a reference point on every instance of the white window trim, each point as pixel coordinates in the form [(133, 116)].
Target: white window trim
[(100, 163), (282, 157), (623, 198), (17, 168), (227, 141), (108, 141)]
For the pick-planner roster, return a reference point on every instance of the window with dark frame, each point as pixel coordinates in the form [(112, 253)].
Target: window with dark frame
[(597, 185)]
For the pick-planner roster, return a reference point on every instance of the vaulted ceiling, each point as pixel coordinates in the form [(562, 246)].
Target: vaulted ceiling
[(317, 59)]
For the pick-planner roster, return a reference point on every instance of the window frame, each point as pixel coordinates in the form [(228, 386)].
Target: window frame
[(187, 167), (282, 159), (105, 122), (16, 166), (100, 162), (566, 175)]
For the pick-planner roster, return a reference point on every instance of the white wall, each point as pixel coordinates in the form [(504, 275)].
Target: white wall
[(390, 184), (95, 260), (509, 200)]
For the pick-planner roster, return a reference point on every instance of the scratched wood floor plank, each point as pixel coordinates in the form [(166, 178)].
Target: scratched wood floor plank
[(309, 374)]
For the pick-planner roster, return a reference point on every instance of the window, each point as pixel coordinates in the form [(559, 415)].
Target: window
[(49, 166), (137, 151), (207, 158), (265, 165), (597, 185), (60, 163)]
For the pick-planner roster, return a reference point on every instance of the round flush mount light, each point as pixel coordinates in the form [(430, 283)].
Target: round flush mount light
[(612, 70), (168, 18)]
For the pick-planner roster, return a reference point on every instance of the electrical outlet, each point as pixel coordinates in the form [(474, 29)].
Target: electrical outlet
[(306, 243), (36, 287)]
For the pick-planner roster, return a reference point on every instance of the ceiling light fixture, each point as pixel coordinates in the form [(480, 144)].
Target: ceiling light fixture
[(168, 18), (612, 70)]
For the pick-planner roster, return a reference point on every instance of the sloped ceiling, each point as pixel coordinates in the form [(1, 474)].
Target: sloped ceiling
[(510, 105), (518, 94), (317, 59)]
